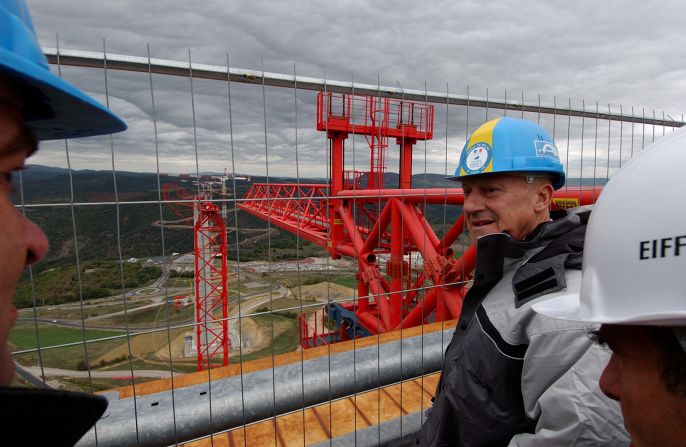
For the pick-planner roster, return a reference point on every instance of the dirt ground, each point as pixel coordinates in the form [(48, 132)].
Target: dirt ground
[(323, 292), (252, 338), (144, 345), (255, 336)]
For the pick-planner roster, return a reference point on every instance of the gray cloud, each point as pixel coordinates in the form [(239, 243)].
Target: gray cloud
[(612, 51)]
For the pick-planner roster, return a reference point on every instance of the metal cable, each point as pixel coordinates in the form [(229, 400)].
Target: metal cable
[(33, 290), (583, 128), (356, 264), (238, 256), (205, 311), (595, 147), (297, 249), (538, 115), (633, 122), (159, 203), (76, 244), (119, 249), (643, 128), (609, 130), (269, 249), (554, 116), (505, 102), (621, 136), (653, 126)]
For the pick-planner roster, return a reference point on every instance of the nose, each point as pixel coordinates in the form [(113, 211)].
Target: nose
[(36, 242), (609, 380), (472, 203)]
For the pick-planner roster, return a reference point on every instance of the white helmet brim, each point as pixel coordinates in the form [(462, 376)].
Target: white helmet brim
[(569, 307)]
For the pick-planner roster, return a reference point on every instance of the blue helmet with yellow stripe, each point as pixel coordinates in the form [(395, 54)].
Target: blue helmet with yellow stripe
[(510, 145)]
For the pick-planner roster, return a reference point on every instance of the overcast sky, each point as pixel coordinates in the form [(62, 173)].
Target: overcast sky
[(626, 53)]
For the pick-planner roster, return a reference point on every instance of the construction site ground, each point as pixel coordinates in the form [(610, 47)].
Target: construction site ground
[(257, 333), (162, 345)]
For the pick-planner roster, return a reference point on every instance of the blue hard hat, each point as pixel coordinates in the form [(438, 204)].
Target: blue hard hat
[(52, 108), (510, 145)]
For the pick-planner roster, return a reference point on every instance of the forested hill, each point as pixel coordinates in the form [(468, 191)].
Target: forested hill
[(98, 223)]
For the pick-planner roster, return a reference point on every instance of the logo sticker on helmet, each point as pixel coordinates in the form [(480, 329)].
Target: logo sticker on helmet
[(546, 149), (477, 158)]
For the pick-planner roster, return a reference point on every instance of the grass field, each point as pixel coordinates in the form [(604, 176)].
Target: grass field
[(98, 384), (23, 336), (156, 316), (181, 367), (179, 282), (292, 306), (347, 281), (71, 357), (263, 286), (73, 312)]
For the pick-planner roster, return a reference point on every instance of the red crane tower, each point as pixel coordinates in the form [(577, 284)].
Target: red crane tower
[(209, 248), (363, 223)]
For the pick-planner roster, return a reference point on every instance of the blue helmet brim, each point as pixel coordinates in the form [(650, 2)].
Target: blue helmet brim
[(66, 111), (557, 179)]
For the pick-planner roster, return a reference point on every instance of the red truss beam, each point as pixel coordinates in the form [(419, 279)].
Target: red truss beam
[(400, 228), (295, 208), (211, 325)]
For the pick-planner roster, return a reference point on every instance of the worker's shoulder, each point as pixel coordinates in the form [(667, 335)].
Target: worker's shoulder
[(518, 324), (537, 324)]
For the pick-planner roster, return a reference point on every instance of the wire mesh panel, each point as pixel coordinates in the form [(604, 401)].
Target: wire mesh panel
[(339, 277)]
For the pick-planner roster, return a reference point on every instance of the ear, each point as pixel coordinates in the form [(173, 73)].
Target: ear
[(544, 197)]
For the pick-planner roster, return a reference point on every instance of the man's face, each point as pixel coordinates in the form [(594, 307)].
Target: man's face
[(504, 204), (652, 415), (21, 241)]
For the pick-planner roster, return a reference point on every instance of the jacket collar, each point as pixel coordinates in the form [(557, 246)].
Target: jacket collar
[(546, 252)]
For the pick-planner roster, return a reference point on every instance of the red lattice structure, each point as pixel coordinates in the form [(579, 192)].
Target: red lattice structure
[(209, 248), (313, 331), (364, 223), (211, 312)]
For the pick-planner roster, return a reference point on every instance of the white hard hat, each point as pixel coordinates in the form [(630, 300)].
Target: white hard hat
[(634, 268)]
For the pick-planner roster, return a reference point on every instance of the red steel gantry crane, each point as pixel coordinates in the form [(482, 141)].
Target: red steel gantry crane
[(349, 220)]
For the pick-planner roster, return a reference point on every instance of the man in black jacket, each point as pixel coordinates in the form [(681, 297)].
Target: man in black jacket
[(510, 376), (35, 105)]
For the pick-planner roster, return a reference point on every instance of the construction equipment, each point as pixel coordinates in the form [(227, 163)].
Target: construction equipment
[(374, 222)]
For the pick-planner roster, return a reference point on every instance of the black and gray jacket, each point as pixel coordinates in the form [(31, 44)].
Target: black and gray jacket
[(514, 377)]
